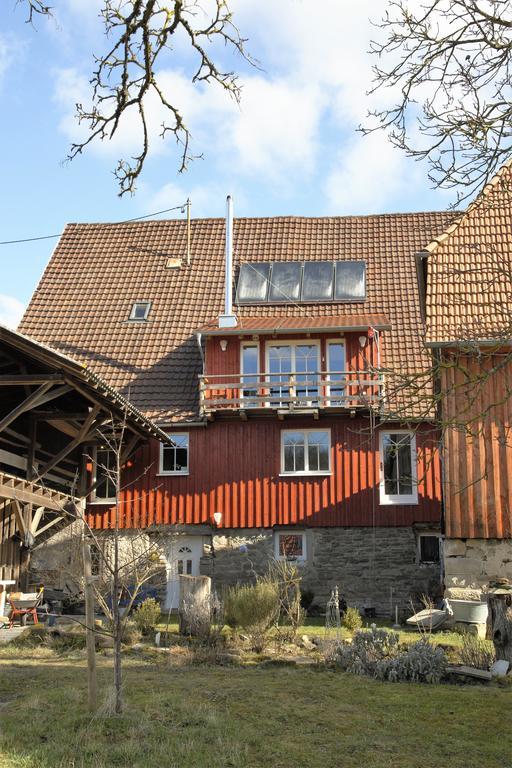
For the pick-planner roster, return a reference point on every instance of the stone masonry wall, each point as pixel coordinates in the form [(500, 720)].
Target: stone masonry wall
[(472, 562), (372, 567)]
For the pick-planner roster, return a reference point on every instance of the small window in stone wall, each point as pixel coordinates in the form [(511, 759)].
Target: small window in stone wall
[(429, 546), (290, 545)]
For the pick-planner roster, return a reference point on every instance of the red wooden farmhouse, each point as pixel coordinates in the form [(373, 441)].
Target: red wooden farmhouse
[(284, 357)]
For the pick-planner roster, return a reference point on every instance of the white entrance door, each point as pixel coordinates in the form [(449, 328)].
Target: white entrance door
[(183, 558)]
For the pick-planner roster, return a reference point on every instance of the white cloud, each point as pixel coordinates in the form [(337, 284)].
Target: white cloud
[(10, 49), (11, 311), (298, 114), (368, 173)]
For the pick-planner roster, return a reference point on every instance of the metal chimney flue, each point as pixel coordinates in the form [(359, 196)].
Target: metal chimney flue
[(228, 319)]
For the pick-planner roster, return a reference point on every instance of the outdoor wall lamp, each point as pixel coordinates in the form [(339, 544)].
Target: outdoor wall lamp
[(223, 345), (362, 341), (217, 518)]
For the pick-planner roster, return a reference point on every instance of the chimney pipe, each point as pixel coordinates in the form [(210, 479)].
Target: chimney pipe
[(228, 319)]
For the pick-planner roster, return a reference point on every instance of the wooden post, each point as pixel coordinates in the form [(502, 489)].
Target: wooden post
[(499, 622), (89, 624)]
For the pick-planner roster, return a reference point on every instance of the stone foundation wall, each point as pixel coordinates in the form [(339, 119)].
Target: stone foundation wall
[(472, 562), (376, 568), (372, 567)]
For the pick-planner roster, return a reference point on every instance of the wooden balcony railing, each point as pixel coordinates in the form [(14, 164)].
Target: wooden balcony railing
[(292, 391)]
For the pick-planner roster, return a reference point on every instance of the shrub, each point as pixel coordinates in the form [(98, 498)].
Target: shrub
[(253, 608), (477, 652), (306, 598), (352, 619), (146, 616), (377, 653), (287, 578)]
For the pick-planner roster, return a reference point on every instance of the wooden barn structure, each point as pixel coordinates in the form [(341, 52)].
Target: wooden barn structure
[(52, 412)]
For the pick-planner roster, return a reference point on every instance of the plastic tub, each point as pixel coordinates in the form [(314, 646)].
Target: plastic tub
[(469, 611)]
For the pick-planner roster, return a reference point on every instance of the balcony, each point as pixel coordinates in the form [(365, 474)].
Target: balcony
[(290, 393)]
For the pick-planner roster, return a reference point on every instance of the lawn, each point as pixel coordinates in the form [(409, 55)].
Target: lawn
[(216, 717)]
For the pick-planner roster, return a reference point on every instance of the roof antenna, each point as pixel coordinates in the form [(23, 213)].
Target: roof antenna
[(188, 231)]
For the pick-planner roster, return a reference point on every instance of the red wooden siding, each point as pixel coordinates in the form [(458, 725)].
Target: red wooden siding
[(229, 362), (235, 469), (477, 412)]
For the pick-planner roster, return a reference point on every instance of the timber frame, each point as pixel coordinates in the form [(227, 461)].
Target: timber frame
[(52, 411)]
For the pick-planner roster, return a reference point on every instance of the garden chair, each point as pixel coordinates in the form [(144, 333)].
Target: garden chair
[(24, 604)]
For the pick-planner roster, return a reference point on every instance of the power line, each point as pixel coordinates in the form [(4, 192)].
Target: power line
[(107, 224)]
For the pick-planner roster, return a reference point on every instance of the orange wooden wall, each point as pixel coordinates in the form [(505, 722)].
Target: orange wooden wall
[(477, 452), (235, 469)]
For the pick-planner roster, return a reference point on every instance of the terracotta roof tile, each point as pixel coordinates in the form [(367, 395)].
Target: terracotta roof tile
[(469, 286), (82, 303)]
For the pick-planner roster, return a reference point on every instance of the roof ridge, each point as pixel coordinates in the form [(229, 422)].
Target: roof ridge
[(484, 192), (283, 217)]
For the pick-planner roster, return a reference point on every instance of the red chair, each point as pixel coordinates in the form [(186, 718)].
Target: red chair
[(24, 604)]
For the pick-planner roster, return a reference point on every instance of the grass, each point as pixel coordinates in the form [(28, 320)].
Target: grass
[(219, 717)]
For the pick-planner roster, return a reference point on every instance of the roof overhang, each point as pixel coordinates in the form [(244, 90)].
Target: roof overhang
[(82, 378), (274, 326)]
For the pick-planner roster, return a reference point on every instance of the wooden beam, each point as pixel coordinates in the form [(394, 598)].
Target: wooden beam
[(20, 519), (59, 415), (53, 394), (25, 405), (89, 425), (36, 520), (48, 525), (18, 380), (26, 496)]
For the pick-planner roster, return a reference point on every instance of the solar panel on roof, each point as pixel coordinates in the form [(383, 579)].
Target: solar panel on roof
[(350, 281), (317, 281), (285, 281), (253, 283)]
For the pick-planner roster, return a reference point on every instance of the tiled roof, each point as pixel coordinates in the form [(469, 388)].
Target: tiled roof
[(276, 324), (82, 303), (469, 286)]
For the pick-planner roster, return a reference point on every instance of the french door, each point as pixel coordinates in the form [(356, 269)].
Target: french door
[(292, 370)]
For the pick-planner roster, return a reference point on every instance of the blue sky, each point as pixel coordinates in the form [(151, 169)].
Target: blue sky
[(290, 148)]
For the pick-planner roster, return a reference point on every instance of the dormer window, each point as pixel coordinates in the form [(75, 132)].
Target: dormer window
[(140, 310)]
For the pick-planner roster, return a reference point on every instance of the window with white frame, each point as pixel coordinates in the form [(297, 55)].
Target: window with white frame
[(398, 468), (290, 545), (305, 451), (429, 548), (140, 310), (104, 475), (174, 455)]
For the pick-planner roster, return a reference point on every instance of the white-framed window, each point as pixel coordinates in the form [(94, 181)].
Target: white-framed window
[(305, 451), (104, 476), (292, 372), (290, 545), (250, 359), (398, 467), (336, 366), (174, 456), (140, 310), (429, 547)]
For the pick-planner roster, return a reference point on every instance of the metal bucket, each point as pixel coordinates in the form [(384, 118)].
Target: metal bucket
[(469, 611)]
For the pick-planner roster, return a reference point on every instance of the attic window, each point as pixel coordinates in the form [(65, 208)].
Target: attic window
[(140, 310)]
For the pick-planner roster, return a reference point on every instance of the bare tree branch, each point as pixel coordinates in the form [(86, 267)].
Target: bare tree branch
[(450, 62)]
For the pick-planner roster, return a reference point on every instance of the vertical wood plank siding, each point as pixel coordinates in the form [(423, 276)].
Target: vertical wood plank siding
[(477, 416), (235, 469)]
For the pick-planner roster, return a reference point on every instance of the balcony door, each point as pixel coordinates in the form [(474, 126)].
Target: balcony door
[(292, 369), (336, 364)]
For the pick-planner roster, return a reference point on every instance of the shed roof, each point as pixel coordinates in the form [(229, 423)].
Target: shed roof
[(82, 304)]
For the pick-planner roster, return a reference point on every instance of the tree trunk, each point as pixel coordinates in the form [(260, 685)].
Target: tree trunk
[(89, 624), (499, 623)]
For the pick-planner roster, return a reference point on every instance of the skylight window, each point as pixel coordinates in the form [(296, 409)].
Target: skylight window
[(290, 282), (140, 310)]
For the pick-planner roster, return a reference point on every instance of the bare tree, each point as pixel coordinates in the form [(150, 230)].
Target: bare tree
[(448, 66), (139, 34)]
